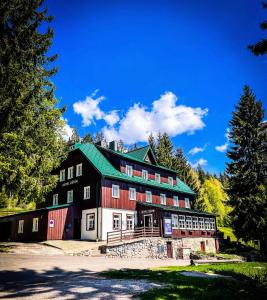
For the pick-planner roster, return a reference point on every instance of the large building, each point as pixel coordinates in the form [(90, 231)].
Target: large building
[(101, 190)]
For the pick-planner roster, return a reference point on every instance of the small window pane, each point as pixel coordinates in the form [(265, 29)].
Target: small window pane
[(79, 170), (70, 173), (129, 222), (90, 222), (115, 191), (86, 193), (148, 197), (181, 222), (116, 221), (132, 194)]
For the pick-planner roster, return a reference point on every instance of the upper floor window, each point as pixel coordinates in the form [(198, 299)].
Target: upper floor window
[(212, 224), (70, 172), (195, 222), (145, 174), (129, 170), (62, 175), (86, 192), (55, 199), (148, 197), (207, 224), (132, 194), (35, 224), (170, 181), (70, 196), (157, 177), (175, 221), (90, 222), (175, 201), (187, 203), (115, 191), (21, 225), (79, 170), (201, 223), (163, 199), (189, 222)]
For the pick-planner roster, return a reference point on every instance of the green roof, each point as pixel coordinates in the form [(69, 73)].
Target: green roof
[(139, 153), (106, 169), (176, 209)]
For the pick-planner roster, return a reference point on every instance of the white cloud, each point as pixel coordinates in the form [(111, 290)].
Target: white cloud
[(164, 116), (67, 130), (112, 118), (200, 162), (196, 150), (222, 148)]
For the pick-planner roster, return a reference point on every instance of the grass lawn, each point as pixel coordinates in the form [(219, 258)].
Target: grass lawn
[(249, 281)]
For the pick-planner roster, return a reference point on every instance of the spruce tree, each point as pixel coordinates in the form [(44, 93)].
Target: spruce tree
[(247, 184), (152, 144), (87, 139), (31, 142), (164, 150)]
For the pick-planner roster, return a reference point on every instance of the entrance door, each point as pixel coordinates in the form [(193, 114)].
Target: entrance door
[(77, 229), (202, 246), (169, 250), (148, 221)]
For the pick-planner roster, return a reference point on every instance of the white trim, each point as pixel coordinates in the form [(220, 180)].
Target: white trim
[(79, 170)]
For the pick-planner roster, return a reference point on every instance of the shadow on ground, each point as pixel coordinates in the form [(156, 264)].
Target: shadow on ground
[(58, 283)]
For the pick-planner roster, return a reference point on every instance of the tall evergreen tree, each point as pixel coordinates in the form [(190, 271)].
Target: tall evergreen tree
[(75, 137), (87, 139), (31, 144), (247, 184), (152, 144), (164, 150)]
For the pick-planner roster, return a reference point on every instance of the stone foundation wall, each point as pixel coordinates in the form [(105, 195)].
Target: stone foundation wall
[(157, 248)]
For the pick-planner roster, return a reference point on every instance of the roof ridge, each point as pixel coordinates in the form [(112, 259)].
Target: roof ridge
[(138, 149)]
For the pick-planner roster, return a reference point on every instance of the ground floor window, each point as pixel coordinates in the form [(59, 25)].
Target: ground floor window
[(90, 221), (207, 224), (129, 222), (195, 222), (201, 223), (116, 221), (175, 221), (182, 222), (35, 224), (189, 222), (212, 224), (21, 225)]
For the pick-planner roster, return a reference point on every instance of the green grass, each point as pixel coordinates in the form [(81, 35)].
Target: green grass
[(249, 281)]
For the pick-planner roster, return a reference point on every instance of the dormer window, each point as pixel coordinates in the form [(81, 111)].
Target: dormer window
[(157, 177), (170, 181), (129, 170), (145, 174)]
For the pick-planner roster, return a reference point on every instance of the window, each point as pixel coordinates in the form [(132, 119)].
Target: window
[(79, 170), (207, 224), (129, 222), (34, 224), (145, 174), (116, 221), (62, 175), (189, 222), (187, 203), (195, 223), (157, 177), (182, 222), (55, 199), (175, 201), (129, 170), (201, 223), (163, 199), (86, 192), (70, 172), (170, 181), (212, 224), (132, 194), (21, 224), (115, 191), (175, 223), (148, 197), (90, 222), (70, 196)]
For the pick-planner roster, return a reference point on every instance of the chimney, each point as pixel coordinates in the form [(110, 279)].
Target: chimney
[(113, 145), (102, 144)]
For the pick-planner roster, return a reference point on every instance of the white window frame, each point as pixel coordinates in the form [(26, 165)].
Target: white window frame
[(195, 223), (157, 178), (170, 180), (163, 199), (35, 222), (201, 223), (182, 222), (70, 196), (90, 222), (129, 170), (115, 187), (132, 196), (212, 224), (79, 170), (55, 199), (175, 222), (129, 222), (188, 221), (86, 192), (207, 224), (187, 202), (145, 174), (21, 225), (176, 201), (117, 220), (62, 175), (70, 172), (148, 196)]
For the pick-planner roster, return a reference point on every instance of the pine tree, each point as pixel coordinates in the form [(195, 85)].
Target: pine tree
[(87, 139), (201, 173), (247, 184), (75, 137), (31, 144), (164, 150), (152, 144)]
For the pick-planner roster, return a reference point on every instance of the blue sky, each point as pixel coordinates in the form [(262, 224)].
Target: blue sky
[(131, 67)]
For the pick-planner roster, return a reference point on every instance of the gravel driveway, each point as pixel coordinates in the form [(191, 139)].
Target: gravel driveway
[(67, 277)]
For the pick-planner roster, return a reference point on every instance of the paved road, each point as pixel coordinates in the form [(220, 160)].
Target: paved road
[(67, 277)]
